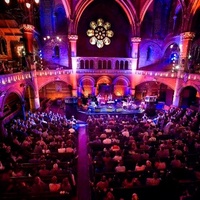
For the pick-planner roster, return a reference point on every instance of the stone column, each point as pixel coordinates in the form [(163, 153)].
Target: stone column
[(94, 92), (74, 92), (132, 92), (135, 41), (185, 45), (35, 100), (28, 32), (178, 85), (73, 49)]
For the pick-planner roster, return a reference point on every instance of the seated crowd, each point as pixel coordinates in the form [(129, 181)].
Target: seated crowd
[(39, 156), (130, 154), (132, 157)]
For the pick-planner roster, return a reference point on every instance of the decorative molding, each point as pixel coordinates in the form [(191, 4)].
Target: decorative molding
[(188, 35), (27, 27), (136, 39), (73, 37)]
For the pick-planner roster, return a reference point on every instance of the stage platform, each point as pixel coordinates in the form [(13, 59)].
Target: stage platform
[(83, 115)]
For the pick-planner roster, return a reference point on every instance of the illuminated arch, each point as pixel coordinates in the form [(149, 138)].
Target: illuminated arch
[(87, 79), (8, 92), (66, 5), (189, 85), (51, 81), (169, 84), (144, 9), (193, 7), (122, 79), (126, 6), (104, 79), (176, 41)]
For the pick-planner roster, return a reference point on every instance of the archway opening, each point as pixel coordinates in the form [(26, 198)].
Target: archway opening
[(12, 105), (163, 93), (188, 97), (53, 95)]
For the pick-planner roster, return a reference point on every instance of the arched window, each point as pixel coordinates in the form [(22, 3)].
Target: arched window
[(57, 51), (60, 20), (149, 53), (3, 46)]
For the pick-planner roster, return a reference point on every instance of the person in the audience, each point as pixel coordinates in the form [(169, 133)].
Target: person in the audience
[(140, 166), (176, 163), (54, 186), (43, 171), (134, 196), (109, 196), (56, 169), (65, 185), (120, 167), (103, 184), (154, 180), (38, 186), (160, 164)]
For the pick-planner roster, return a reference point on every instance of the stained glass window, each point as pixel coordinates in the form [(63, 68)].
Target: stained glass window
[(100, 33)]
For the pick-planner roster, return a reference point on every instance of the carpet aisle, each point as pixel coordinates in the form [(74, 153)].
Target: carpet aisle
[(83, 185)]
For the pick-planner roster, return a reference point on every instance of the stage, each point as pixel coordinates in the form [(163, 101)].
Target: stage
[(128, 107), (106, 110)]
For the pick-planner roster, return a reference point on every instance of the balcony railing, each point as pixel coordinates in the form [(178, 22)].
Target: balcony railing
[(109, 63), (98, 66), (14, 77)]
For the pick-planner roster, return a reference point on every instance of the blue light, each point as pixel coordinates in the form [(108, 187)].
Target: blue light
[(174, 56)]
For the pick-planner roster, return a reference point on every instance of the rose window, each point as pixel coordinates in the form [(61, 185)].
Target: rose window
[(100, 33)]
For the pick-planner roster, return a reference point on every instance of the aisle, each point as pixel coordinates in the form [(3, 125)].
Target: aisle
[(83, 186)]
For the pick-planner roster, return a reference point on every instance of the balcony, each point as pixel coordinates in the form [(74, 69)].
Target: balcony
[(98, 66), (104, 63)]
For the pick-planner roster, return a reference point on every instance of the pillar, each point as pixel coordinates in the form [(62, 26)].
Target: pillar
[(28, 31), (1, 122), (35, 104), (73, 49), (178, 85), (78, 91), (28, 35), (135, 41), (132, 92), (23, 110), (94, 91), (185, 45), (74, 92)]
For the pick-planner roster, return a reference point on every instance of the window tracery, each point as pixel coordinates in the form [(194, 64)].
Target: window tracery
[(100, 33)]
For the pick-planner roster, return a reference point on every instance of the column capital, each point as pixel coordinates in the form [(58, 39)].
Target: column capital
[(136, 39), (27, 27), (73, 37), (187, 35)]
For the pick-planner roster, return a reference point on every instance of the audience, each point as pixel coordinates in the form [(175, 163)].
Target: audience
[(151, 147), (148, 149), (30, 155)]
